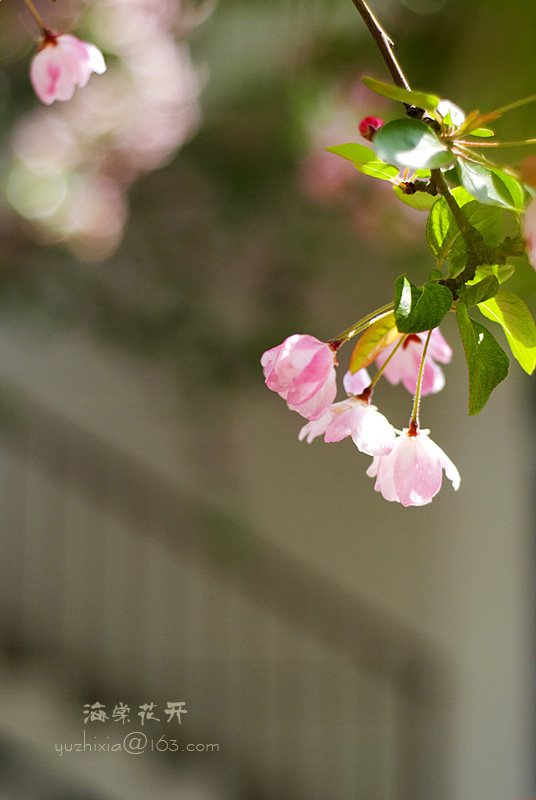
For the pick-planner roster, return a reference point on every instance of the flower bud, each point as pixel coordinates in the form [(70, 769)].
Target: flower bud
[(370, 126)]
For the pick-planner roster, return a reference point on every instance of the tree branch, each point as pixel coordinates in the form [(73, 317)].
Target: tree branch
[(472, 238), (384, 42)]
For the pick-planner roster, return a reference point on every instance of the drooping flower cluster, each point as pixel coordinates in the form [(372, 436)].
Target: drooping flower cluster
[(408, 465)]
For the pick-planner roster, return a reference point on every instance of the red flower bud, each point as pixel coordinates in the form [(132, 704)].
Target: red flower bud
[(369, 126)]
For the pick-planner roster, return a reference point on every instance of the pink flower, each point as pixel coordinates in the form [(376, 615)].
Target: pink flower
[(412, 472), (370, 126), (529, 229), (62, 63), (370, 431), (302, 371), (404, 366)]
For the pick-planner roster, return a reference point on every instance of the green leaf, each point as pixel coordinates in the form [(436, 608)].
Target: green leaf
[(475, 120), (501, 271), (422, 201), (479, 292), (411, 143), (490, 186), (435, 275), (376, 338), (419, 99), (356, 153), (513, 316), (486, 360), (513, 186), (365, 160), (378, 169), (442, 232), (457, 264), (423, 173), (420, 308), (488, 222), (483, 132)]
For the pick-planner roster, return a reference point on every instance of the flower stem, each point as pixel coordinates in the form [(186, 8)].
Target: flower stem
[(517, 103), (465, 228), (494, 144), (37, 16), (414, 421), (378, 374), (360, 325)]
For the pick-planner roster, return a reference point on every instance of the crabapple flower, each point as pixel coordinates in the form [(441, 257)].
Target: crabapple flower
[(412, 472), (302, 371), (529, 229), (371, 432), (370, 126), (62, 63), (404, 365)]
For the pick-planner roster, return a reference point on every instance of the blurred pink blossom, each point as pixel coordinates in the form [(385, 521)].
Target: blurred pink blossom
[(62, 63), (529, 229), (412, 472), (302, 371), (128, 123), (404, 365)]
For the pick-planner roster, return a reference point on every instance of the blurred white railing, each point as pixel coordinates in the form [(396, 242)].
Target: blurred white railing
[(126, 588)]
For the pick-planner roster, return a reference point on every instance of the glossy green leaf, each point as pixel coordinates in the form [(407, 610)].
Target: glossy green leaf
[(419, 99), (378, 169), (420, 308), (411, 143), (513, 316), (376, 338), (356, 153), (486, 360), (422, 201), (479, 292), (490, 186)]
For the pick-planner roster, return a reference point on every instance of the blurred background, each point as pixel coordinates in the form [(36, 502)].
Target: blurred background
[(164, 537)]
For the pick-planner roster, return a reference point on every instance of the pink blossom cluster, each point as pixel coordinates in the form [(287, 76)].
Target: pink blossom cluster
[(74, 162), (408, 465)]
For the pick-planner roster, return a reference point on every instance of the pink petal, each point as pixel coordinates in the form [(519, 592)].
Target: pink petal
[(374, 435), (417, 471), (315, 427), (356, 383), (312, 408)]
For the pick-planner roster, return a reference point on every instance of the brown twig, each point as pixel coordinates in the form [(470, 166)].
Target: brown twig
[(384, 42), (386, 45)]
